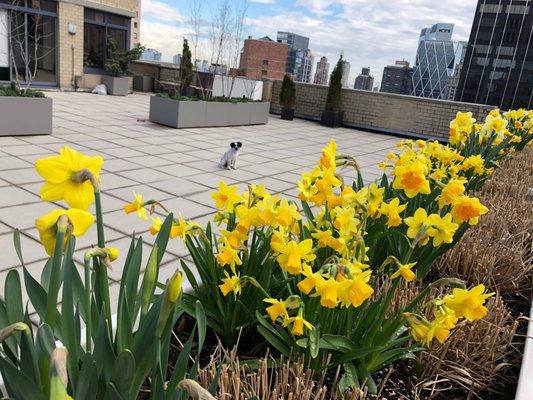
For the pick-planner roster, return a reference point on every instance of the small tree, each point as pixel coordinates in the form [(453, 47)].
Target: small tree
[(118, 62), (287, 95), (334, 99), (186, 69)]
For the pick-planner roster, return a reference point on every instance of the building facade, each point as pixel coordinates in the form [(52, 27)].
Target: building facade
[(151, 55), (364, 81), (321, 72), (72, 49), (263, 58), (436, 58), (397, 78), (176, 59), (498, 66), (299, 61), (345, 73)]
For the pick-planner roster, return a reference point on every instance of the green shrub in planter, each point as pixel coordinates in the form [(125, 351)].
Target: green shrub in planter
[(85, 349), (332, 115), (287, 97), (118, 62)]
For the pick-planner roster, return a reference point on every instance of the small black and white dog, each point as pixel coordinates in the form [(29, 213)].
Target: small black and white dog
[(229, 159)]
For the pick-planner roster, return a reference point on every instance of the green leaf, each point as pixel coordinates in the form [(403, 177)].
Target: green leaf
[(202, 324), (16, 242), (20, 386), (44, 346), (339, 342), (13, 297), (149, 280), (273, 340), (36, 293), (88, 379), (180, 368), (112, 393), (349, 356), (314, 337), (123, 372), (103, 348)]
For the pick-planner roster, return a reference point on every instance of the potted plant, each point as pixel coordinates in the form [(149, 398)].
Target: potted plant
[(117, 65), (332, 115), (287, 97), (37, 110)]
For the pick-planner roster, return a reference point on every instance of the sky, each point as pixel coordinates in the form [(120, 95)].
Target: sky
[(370, 33)]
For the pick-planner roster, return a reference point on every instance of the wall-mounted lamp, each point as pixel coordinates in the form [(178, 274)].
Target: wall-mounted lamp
[(71, 28)]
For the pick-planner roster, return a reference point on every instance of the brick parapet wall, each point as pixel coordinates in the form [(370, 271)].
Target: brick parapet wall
[(385, 112)]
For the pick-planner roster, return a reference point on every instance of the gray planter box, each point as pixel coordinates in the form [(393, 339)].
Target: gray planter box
[(197, 114), (25, 116), (116, 85), (143, 83)]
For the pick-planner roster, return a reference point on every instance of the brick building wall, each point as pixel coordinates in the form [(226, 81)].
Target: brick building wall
[(263, 58), (385, 112)]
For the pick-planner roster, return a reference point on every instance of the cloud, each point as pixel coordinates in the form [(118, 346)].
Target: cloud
[(263, 1), (161, 11)]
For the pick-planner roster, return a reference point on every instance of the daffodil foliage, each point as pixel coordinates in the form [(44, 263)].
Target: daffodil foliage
[(86, 347)]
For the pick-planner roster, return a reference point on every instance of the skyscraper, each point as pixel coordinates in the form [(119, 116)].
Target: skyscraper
[(321, 73), (397, 78), (364, 80), (263, 58), (151, 54), (345, 73), (498, 66), (299, 58), (176, 59), (450, 89), (435, 61)]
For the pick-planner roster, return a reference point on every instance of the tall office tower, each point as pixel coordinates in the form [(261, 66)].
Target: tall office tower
[(450, 89), (299, 58), (151, 54), (321, 73), (498, 66), (263, 58), (364, 80), (176, 59), (345, 73), (397, 78), (435, 61)]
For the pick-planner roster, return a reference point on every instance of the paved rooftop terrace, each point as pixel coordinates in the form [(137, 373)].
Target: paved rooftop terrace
[(177, 167)]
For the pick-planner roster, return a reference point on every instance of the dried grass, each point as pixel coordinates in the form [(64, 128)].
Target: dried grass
[(498, 252)]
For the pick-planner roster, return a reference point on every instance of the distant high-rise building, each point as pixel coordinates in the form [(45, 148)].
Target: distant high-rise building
[(364, 80), (436, 58), (397, 78), (177, 59), (151, 54), (450, 89), (263, 58), (345, 73), (135, 26), (498, 66), (321, 73), (202, 65), (299, 58)]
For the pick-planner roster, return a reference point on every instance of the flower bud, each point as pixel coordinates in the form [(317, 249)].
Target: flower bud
[(174, 287), (113, 253)]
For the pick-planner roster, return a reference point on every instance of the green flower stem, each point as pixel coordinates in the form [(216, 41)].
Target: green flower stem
[(102, 282), (55, 275), (88, 289)]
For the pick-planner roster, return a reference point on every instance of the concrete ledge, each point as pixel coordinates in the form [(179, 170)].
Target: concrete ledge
[(524, 390), (21, 116)]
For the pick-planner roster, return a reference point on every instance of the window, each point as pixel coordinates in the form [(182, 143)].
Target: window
[(264, 72), (98, 28), (265, 62)]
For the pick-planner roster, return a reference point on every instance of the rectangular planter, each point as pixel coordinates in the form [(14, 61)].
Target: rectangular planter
[(143, 83), (116, 85), (197, 114), (25, 116)]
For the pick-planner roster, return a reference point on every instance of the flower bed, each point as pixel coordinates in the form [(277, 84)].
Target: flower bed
[(37, 118), (344, 282)]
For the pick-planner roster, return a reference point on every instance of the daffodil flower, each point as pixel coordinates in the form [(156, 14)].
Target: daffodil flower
[(137, 205), (70, 176)]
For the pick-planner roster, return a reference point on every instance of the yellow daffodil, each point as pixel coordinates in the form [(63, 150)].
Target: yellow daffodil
[(292, 254), (68, 177), (392, 210), (355, 291), (453, 189), (267, 210), (411, 179), (323, 237), (442, 229), (287, 213), (298, 324), (469, 209), (468, 303), (259, 191), (418, 225), (246, 217), (227, 255), (235, 238), (80, 220), (157, 222), (278, 308), (230, 284), (137, 206), (328, 290), (475, 163), (405, 271), (345, 220), (329, 153), (226, 197), (308, 283)]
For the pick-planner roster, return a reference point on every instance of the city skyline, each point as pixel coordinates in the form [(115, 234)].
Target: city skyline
[(369, 33)]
